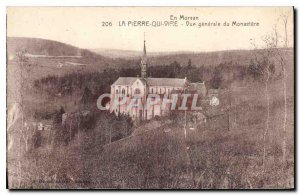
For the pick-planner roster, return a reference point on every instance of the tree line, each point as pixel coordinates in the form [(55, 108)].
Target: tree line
[(100, 82)]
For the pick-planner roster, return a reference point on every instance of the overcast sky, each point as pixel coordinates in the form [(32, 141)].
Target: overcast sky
[(82, 27)]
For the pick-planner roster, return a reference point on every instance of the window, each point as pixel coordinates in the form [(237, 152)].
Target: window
[(152, 90), (123, 91), (137, 91), (117, 91)]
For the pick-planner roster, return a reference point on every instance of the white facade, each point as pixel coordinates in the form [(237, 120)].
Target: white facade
[(141, 87)]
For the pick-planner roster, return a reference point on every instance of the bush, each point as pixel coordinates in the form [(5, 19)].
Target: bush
[(37, 139)]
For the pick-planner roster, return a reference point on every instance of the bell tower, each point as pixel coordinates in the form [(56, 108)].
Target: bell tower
[(144, 61)]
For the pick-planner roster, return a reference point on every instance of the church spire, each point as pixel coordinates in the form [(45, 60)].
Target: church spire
[(144, 53), (144, 61)]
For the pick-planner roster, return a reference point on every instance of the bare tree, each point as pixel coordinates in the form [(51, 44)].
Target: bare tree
[(77, 118), (284, 18), (279, 56), (21, 60), (264, 70), (23, 65), (273, 51)]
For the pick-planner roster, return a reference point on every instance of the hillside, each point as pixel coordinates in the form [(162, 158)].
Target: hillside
[(49, 57), (124, 58), (116, 53), (51, 53), (37, 46), (237, 57)]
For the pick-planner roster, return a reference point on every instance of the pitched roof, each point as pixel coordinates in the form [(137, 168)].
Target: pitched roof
[(125, 80), (170, 82)]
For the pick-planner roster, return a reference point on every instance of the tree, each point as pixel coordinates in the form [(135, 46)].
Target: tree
[(272, 43), (87, 96), (189, 64), (37, 139), (175, 67), (265, 68), (216, 78), (281, 59), (263, 73), (254, 70), (58, 115), (22, 62)]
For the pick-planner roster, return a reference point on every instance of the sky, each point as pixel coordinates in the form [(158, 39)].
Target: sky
[(83, 27)]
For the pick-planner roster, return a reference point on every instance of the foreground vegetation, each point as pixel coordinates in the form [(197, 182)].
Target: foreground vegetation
[(163, 158)]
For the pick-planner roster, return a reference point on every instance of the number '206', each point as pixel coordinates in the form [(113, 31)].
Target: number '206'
[(106, 24)]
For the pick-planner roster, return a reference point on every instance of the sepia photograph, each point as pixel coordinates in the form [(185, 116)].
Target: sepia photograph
[(150, 98)]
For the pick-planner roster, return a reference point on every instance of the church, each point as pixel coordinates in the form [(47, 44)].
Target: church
[(143, 86)]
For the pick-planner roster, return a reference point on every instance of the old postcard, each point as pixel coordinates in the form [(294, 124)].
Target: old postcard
[(150, 98)]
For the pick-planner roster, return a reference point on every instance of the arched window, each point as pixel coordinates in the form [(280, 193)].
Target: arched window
[(137, 91), (117, 91), (123, 91)]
